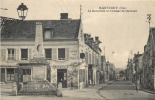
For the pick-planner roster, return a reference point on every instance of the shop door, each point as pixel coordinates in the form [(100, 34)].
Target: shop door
[(62, 77), (10, 74)]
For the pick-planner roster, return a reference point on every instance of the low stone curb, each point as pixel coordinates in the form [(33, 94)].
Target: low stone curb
[(152, 92)]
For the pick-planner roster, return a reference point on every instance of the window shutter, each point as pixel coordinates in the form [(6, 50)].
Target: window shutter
[(54, 54), (14, 54), (51, 54), (29, 53), (17, 54), (3, 54), (66, 53)]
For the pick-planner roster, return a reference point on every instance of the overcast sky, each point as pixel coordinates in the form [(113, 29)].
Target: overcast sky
[(120, 32)]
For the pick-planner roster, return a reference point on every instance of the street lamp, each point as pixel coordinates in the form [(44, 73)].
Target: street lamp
[(22, 11)]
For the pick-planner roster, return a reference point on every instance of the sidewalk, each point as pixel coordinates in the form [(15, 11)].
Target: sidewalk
[(144, 90), (90, 92)]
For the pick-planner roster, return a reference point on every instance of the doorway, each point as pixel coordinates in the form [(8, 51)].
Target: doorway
[(62, 77)]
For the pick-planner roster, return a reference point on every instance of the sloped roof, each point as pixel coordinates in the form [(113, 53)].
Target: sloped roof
[(26, 29)]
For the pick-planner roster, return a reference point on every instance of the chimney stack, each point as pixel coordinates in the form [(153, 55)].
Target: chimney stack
[(64, 16), (96, 38)]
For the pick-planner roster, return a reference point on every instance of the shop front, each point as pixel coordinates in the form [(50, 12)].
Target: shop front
[(9, 73)]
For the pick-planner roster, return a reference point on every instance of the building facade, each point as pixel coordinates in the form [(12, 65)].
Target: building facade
[(49, 50), (149, 61), (129, 70)]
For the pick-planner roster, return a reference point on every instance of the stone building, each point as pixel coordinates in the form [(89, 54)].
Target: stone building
[(103, 69), (149, 61), (129, 70), (137, 60), (49, 50)]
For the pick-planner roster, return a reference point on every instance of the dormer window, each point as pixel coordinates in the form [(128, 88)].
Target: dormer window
[(48, 33)]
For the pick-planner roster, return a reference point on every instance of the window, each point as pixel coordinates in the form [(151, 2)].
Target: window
[(48, 33), (26, 71), (11, 55), (10, 74), (24, 54), (61, 54), (48, 54)]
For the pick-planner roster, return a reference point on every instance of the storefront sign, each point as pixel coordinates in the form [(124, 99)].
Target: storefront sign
[(61, 67), (73, 54)]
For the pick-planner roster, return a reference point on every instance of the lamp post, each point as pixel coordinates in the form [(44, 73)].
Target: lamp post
[(107, 70), (22, 11)]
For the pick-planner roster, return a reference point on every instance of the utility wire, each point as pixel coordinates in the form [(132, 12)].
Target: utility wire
[(67, 8)]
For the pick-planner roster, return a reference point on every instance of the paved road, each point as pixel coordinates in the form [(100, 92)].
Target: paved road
[(122, 90)]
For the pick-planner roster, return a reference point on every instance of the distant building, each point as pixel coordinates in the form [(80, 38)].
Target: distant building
[(103, 69), (129, 70), (137, 60)]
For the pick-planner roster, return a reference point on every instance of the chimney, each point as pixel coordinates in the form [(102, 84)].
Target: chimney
[(138, 52), (91, 41), (64, 16), (96, 38), (39, 39), (89, 35)]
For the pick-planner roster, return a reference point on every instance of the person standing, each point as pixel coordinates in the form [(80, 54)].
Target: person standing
[(137, 85), (71, 84)]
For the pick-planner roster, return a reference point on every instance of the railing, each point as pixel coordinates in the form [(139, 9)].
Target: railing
[(11, 57), (24, 58), (61, 58)]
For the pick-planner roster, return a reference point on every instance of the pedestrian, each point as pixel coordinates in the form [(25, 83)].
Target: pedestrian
[(137, 85), (71, 84), (90, 82)]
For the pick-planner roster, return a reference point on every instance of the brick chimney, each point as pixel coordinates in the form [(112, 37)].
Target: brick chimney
[(64, 16)]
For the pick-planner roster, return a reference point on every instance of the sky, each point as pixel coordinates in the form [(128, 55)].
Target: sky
[(119, 32)]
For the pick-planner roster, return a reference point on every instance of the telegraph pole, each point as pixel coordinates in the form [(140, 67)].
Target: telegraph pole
[(104, 50), (80, 11), (149, 19)]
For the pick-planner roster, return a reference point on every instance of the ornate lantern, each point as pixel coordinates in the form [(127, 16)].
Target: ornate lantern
[(22, 11)]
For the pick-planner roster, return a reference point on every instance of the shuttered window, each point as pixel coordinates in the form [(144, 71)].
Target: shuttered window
[(3, 54), (66, 53), (30, 53), (86, 57), (48, 54), (54, 54), (61, 53), (11, 54), (17, 54)]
